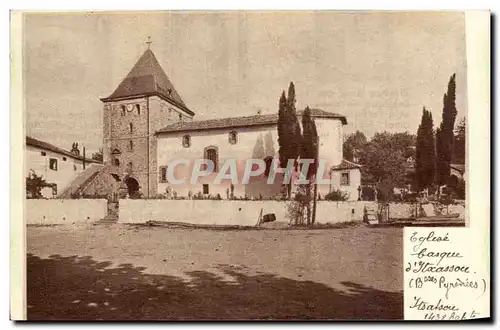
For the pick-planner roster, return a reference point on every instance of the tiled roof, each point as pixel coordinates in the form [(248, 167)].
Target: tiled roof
[(147, 78), (50, 147), (345, 165), (233, 122)]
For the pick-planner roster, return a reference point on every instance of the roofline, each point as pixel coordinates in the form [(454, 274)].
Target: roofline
[(213, 128), (270, 123), (128, 97), (58, 150), (341, 168)]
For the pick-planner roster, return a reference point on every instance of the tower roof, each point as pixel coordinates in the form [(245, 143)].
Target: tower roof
[(147, 78)]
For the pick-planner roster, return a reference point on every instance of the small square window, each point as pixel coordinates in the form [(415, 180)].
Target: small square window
[(233, 137), (64, 158), (344, 179), (205, 189), (53, 164), (43, 153)]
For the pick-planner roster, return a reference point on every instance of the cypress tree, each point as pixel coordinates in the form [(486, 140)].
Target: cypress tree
[(425, 168), (282, 130), (444, 135)]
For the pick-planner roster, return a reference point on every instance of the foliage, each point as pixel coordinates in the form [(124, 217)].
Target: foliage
[(383, 158), (426, 152), (444, 134), (336, 195), (289, 135), (353, 145), (460, 142), (34, 185)]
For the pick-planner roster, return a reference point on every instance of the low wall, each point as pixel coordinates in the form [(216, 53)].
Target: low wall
[(64, 211), (240, 213)]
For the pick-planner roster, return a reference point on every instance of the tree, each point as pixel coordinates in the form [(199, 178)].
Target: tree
[(425, 169), (34, 185), (459, 143), (289, 135), (383, 159), (98, 155), (353, 146), (309, 151), (444, 134)]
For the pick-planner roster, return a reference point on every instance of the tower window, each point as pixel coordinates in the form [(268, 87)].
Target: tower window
[(130, 145), (43, 153), (123, 110), (186, 141), (233, 137), (129, 166), (180, 117), (116, 162), (163, 174), (211, 153), (138, 108), (64, 158), (131, 127)]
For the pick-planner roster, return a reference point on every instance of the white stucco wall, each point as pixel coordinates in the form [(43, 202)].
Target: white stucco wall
[(253, 142), (235, 213), (40, 164), (64, 211)]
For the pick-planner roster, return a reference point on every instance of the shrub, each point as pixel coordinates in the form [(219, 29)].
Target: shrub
[(336, 195)]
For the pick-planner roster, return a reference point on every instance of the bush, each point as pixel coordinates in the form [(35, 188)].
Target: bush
[(337, 195)]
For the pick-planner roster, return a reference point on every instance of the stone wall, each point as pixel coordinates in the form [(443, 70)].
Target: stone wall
[(64, 211)]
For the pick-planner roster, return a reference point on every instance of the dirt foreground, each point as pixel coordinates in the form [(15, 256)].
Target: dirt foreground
[(124, 272)]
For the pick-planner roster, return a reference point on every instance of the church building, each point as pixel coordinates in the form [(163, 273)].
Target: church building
[(146, 125)]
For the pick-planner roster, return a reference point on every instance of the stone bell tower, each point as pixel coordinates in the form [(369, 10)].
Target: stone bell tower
[(143, 102)]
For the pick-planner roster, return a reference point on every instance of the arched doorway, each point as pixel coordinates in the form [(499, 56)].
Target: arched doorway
[(132, 186)]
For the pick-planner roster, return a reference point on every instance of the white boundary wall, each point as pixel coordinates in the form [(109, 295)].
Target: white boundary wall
[(237, 213), (64, 211)]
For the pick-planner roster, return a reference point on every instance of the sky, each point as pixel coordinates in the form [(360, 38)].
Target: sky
[(377, 68)]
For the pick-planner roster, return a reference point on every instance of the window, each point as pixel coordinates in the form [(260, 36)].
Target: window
[(186, 141), (116, 162), (74, 167), (64, 158), (43, 153), (129, 166), (180, 117), (123, 110), (212, 154), (131, 127), (138, 108), (205, 189), (54, 190), (233, 137), (53, 164), (130, 145), (344, 179), (163, 174)]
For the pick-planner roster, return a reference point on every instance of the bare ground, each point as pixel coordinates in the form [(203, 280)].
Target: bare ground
[(140, 273)]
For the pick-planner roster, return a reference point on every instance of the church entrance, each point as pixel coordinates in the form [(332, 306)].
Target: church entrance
[(132, 186)]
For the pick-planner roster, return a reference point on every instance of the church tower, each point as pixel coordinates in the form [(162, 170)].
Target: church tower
[(143, 102)]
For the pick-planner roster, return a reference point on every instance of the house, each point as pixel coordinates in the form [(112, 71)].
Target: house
[(147, 125), (57, 166)]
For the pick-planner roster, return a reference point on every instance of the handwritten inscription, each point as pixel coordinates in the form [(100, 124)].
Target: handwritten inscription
[(439, 277)]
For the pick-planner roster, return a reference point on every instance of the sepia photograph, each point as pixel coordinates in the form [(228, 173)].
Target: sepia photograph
[(237, 165)]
